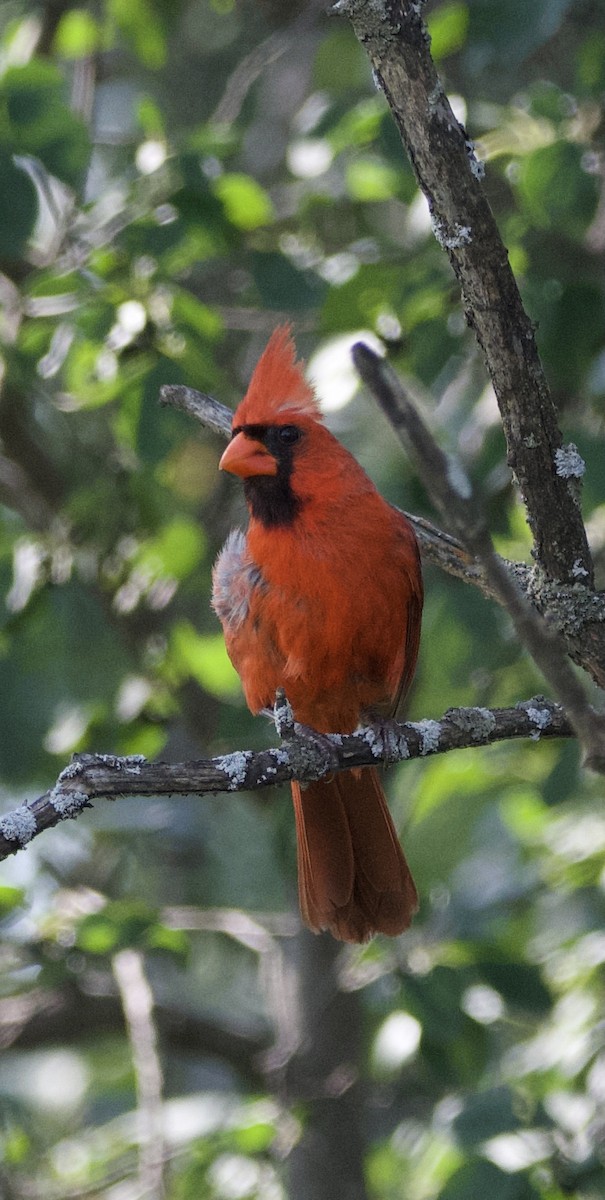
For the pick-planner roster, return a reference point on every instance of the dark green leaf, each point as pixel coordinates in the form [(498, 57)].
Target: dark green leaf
[(479, 1180)]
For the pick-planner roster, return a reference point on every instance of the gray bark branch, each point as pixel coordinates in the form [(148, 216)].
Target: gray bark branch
[(451, 492), (449, 174), (301, 756)]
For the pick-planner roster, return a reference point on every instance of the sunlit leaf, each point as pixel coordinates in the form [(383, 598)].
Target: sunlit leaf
[(247, 204), (204, 657), (448, 27), (255, 1137), (174, 551), (359, 125), (369, 179), (78, 34), (143, 22), (10, 897)]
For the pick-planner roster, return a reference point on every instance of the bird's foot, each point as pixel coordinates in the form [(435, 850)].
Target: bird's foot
[(312, 755), (385, 738), (283, 715)]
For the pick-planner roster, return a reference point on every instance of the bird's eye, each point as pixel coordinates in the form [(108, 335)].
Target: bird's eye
[(288, 434)]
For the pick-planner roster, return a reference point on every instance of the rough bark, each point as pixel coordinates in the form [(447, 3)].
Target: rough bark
[(442, 156)]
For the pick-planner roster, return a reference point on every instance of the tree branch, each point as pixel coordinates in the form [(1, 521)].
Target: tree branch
[(443, 159), (301, 756), (44, 1016), (203, 408), (451, 492), (137, 1002)]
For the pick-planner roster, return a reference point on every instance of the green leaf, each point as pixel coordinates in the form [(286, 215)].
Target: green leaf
[(555, 189), (10, 898), (359, 126), (479, 1180), (487, 1114), (203, 320), (570, 331), (370, 179), (204, 657), (78, 34), (151, 118), (255, 1138), (591, 62), (448, 27), (281, 285), (357, 303), (144, 23), (246, 203), (40, 122), (97, 934), (434, 999), (142, 738), (172, 941), (520, 984), (340, 64), (509, 32), (16, 1146), (174, 551), (18, 208), (121, 923)]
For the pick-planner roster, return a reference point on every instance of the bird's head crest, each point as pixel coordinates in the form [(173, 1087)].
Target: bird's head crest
[(278, 391)]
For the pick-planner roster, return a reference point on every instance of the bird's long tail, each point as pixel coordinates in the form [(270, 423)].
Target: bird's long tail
[(353, 878)]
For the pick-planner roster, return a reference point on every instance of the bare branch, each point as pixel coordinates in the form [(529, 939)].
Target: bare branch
[(245, 75), (137, 1002), (443, 158), (92, 776), (45, 1016), (260, 57), (452, 494), (209, 412)]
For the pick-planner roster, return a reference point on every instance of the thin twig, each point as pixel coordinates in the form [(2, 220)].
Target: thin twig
[(137, 1003), (203, 408), (263, 937), (452, 494), (252, 66), (245, 75), (448, 172), (92, 776)]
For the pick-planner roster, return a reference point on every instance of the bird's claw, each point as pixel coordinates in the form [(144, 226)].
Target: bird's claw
[(283, 715), (312, 755), (386, 739)]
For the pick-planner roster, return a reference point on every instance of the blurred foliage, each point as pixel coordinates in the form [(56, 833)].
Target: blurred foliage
[(175, 178)]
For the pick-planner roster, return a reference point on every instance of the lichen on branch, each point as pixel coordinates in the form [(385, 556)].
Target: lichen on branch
[(91, 777)]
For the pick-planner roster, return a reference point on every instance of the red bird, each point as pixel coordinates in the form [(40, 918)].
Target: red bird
[(322, 597)]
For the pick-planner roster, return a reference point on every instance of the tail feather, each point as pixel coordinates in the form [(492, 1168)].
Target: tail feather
[(353, 878)]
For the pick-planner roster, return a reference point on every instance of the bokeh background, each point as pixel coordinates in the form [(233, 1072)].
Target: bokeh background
[(176, 178)]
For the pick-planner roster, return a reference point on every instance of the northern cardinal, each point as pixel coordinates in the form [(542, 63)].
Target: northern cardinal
[(322, 597)]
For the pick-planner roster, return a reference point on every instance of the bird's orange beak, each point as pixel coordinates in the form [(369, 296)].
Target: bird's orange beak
[(246, 457)]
